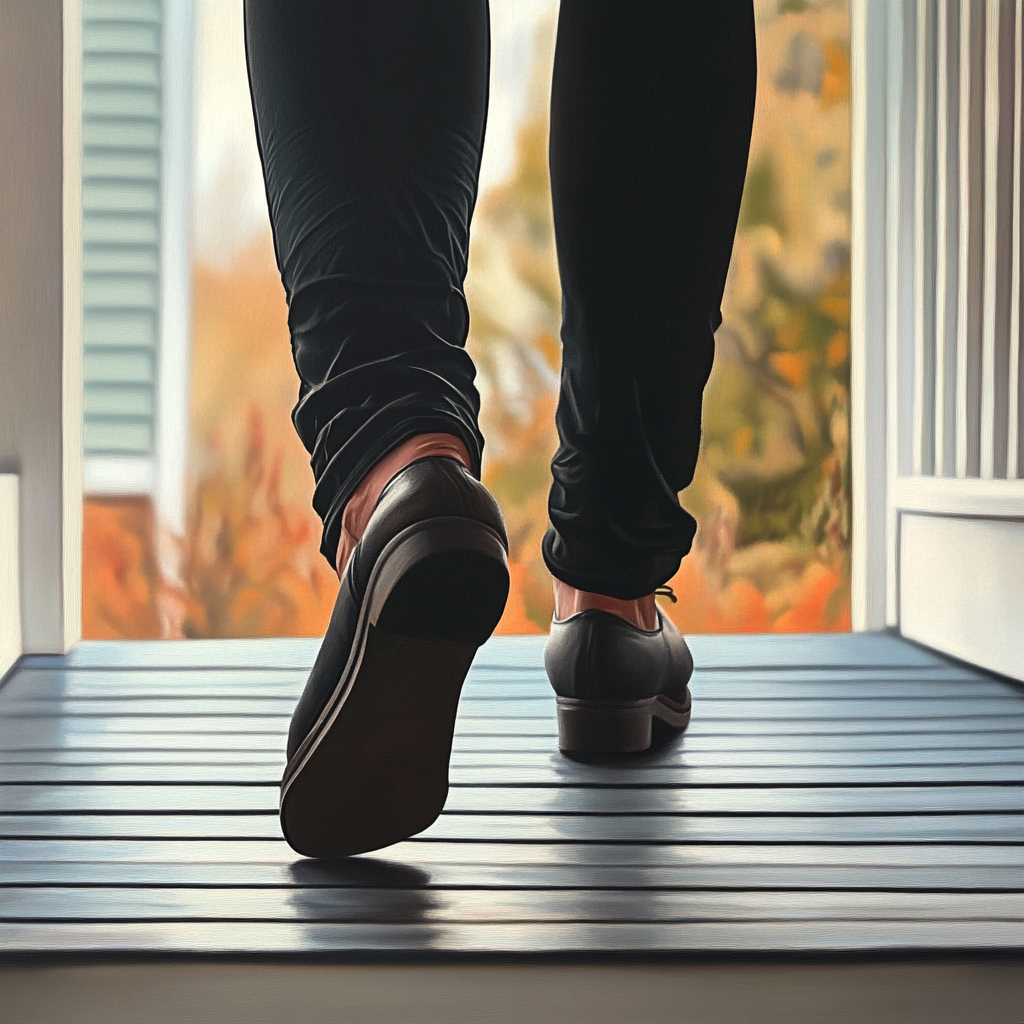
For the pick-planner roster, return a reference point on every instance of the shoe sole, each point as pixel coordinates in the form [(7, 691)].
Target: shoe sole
[(374, 769), (618, 726)]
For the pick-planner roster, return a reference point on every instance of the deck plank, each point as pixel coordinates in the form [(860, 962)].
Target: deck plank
[(415, 853), (494, 876), (410, 905), (535, 752), (540, 738), (102, 798), (1001, 772), (1008, 705), (50, 684), (752, 651), (834, 793), (474, 828), (500, 717)]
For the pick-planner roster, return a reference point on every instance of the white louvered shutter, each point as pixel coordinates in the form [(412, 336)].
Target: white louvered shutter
[(121, 259)]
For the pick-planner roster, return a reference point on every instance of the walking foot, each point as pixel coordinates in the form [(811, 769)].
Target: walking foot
[(619, 670), (371, 737)]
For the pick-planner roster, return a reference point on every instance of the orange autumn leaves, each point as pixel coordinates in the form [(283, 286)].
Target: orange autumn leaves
[(120, 579), (250, 563)]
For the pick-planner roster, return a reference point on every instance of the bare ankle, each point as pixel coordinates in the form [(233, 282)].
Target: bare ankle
[(360, 505), (640, 611)]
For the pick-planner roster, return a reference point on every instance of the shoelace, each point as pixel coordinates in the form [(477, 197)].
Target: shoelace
[(666, 591)]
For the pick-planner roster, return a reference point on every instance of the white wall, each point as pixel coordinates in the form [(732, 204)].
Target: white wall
[(40, 308), (10, 598)]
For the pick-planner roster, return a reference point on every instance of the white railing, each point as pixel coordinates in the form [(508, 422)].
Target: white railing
[(938, 257), (958, 146)]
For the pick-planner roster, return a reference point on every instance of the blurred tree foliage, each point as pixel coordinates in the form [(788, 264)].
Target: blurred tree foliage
[(771, 492)]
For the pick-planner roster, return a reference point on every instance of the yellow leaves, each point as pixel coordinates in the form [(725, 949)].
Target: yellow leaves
[(792, 367), (836, 307), (550, 349), (516, 620), (838, 350), (248, 558), (790, 334), (835, 82), (520, 482), (742, 442)]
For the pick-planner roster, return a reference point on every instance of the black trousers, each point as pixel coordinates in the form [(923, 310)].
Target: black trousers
[(370, 120)]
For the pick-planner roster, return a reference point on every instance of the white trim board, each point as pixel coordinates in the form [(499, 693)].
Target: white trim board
[(961, 589), (72, 355), (119, 474), (967, 497)]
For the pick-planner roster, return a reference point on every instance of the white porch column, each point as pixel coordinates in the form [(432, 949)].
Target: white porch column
[(174, 374), (867, 314), (40, 308), (10, 596)]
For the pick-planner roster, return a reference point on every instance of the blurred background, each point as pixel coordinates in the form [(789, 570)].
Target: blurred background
[(197, 510)]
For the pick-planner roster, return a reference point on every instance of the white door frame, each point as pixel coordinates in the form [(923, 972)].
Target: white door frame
[(868, 410), (40, 323), (40, 317)]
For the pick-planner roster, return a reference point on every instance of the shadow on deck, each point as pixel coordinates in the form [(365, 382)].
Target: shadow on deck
[(847, 797)]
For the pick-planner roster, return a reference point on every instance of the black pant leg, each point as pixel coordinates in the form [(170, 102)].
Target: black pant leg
[(651, 113), (370, 121)]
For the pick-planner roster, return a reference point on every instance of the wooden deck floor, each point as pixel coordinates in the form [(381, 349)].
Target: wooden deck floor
[(832, 795)]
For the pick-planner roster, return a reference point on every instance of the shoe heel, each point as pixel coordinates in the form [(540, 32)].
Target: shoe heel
[(604, 726), (441, 579)]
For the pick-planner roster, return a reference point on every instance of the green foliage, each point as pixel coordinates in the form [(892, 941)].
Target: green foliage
[(759, 196)]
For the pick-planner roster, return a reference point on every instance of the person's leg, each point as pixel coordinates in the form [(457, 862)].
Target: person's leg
[(651, 113), (370, 121)]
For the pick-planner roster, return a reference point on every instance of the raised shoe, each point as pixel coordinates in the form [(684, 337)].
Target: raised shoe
[(371, 737)]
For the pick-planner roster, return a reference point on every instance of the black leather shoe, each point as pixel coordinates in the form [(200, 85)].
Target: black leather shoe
[(371, 736), (619, 688)]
